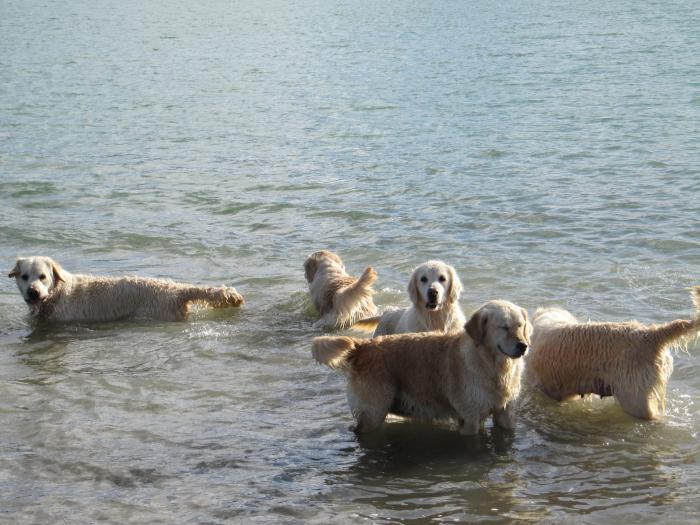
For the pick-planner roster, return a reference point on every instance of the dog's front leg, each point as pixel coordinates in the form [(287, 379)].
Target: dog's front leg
[(470, 428), (469, 423), (504, 418)]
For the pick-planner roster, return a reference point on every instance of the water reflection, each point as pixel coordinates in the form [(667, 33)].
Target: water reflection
[(591, 458), (403, 442), (412, 472)]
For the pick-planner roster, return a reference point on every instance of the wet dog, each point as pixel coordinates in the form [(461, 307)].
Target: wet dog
[(339, 298), (53, 293), (629, 360), (434, 289), (463, 376)]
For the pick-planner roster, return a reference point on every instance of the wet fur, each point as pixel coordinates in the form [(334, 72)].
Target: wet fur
[(448, 317), (339, 298), (627, 360), (461, 376), (68, 297)]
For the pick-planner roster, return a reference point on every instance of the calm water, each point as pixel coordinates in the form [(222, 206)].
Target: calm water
[(548, 150)]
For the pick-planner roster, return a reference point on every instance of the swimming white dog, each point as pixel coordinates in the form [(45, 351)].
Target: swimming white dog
[(463, 376), (434, 290), (339, 298), (53, 293), (627, 360)]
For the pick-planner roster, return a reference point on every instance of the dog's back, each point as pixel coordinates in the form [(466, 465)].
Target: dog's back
[(325, 289), (556, 332), (97, 298), (386, 352)]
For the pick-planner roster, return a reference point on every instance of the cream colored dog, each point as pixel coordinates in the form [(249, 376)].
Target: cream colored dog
[(464, 376), (53, 293), (434, 290), (339, 298), (628, 360)]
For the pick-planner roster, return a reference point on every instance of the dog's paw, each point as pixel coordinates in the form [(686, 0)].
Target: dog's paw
[(469, 427)]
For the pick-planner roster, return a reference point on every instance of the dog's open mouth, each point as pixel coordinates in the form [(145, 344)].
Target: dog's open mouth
[(432, 305)]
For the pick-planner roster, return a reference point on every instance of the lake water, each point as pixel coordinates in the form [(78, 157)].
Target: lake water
[(548, 150)]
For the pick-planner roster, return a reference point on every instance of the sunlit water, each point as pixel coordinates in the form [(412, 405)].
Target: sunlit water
[(548, 150)]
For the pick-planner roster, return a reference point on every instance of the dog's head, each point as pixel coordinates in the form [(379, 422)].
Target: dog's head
[(37, 277), (502, 327), (433, 285), (315, 260)]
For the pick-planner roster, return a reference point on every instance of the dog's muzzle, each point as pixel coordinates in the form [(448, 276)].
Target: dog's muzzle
[(432, 303), (520, 350), (33, 296)]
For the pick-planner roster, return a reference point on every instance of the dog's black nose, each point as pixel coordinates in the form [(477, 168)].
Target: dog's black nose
[(432, 293), (522, 348), (33, 294)]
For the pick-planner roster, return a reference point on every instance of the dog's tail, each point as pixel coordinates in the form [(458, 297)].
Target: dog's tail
[(368, 324), (679, 329), (360, 288), (355, 300), (333, 351), (222, 297)]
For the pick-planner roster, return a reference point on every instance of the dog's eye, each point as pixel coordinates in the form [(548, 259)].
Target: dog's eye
[(42, 277), (424, 279), (25, 277), (442, 278)]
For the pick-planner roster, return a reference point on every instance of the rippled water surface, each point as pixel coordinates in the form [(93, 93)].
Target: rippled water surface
[(548, 150)]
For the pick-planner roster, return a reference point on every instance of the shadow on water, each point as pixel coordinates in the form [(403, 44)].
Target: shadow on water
[(44, 348), (409, 472), (51, 347), (401, 443)]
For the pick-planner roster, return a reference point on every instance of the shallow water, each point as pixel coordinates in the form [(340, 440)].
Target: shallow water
[(548, 151)]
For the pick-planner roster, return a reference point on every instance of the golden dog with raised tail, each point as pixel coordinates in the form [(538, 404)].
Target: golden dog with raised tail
[(339, 298), (627, 360)]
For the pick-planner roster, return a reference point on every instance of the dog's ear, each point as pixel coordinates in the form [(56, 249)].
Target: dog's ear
[(455, 286), (15, 271), (525, 316), (59, 274), (310, 267), (413, 288), (476, 327)]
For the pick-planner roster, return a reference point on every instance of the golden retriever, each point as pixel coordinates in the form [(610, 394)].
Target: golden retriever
[(628, 360), (434, 290), (339, 298), (464, 376), (54, 294)]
